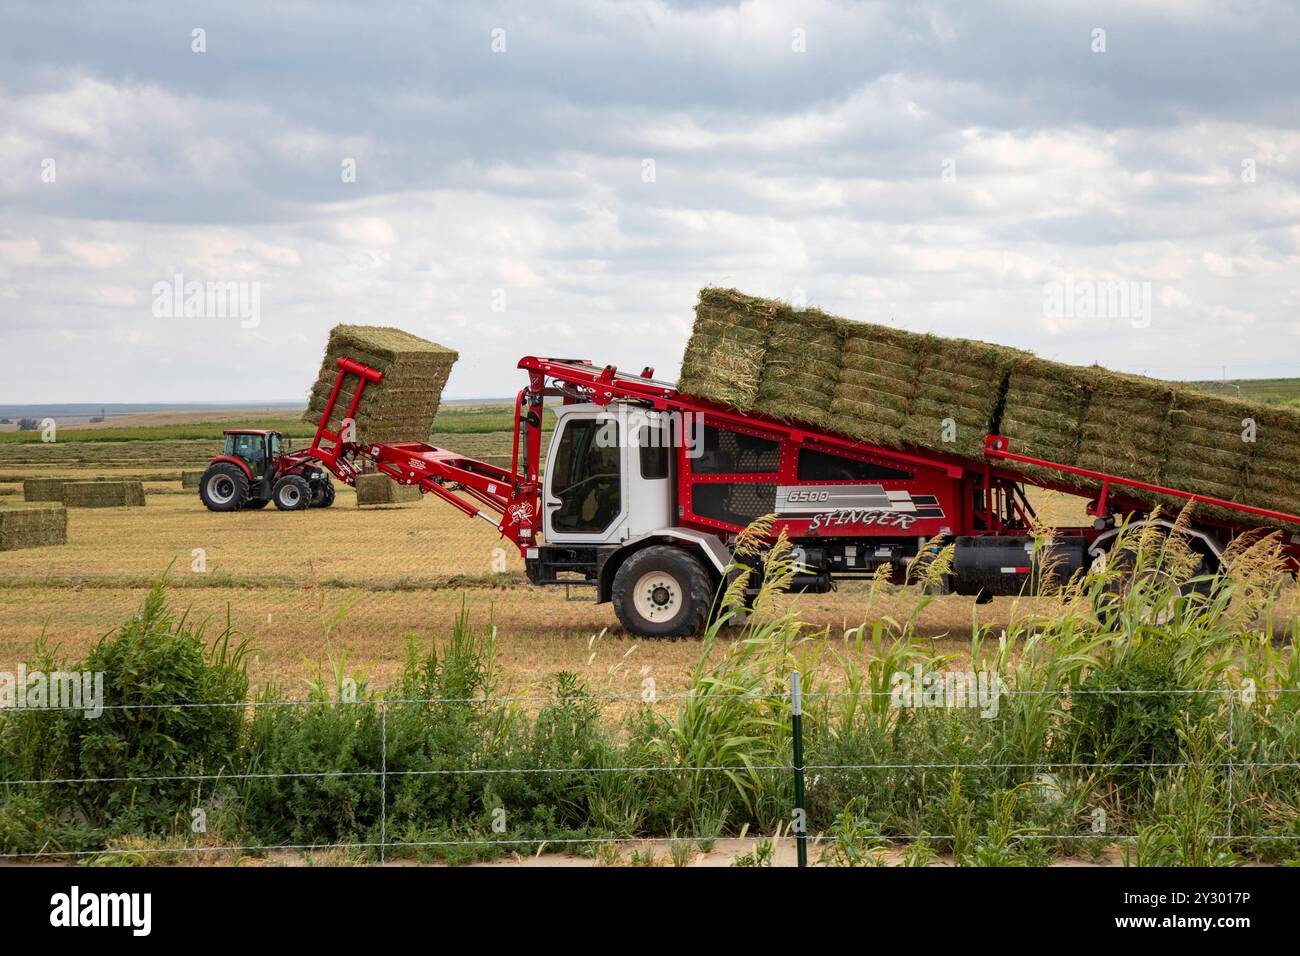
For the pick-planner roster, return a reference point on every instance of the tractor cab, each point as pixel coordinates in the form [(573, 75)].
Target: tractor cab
[(256, 448)]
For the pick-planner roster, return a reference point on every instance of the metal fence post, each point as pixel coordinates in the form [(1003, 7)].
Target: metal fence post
[(1232, 754), (796, 729), (383, 781)]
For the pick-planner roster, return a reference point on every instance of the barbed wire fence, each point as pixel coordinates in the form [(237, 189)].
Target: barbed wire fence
[(797, 768)]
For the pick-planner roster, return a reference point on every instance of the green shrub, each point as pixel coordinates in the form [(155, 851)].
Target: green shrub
[(158, 675)]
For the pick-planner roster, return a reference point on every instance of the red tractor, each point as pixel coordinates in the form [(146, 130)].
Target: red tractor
[(256, 468)]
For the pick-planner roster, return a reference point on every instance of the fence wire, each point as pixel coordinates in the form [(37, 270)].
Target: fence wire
[(383, 773)]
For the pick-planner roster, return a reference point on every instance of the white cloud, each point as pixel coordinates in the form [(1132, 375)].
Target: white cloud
[(774, 170)]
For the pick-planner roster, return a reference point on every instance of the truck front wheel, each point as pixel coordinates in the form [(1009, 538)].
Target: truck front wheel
[(662, 591)]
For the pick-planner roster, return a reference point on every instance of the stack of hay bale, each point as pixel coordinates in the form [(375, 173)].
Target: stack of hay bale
[(401, 407), (191, 479), (32, 527), (887, 386), (871, 382), (382, 490), (103, 494)]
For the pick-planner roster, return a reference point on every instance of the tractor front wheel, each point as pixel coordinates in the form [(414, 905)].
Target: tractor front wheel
[(224, 487), (291, 493)]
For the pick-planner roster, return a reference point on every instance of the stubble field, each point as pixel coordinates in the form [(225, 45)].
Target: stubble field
[(308, 588)]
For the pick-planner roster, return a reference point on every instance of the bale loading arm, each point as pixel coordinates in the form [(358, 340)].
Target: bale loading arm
[(476, 488)]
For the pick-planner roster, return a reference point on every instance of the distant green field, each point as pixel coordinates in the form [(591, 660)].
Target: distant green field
[(498, 419), (1285, 391), (451, 420), (294, 427)]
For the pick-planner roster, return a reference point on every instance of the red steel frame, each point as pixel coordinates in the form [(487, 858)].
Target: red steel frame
[(473, 486)]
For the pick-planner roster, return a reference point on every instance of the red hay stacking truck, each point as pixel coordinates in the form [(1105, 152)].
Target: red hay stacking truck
[(644, 491)]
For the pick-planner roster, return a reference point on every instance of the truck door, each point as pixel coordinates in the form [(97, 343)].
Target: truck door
[(586, 484)]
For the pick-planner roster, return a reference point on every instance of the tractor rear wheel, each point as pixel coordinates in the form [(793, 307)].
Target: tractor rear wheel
[(323, 494), (224, 487), (291, 493), (662, 591)]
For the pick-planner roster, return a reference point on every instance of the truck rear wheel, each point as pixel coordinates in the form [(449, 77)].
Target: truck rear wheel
[(1110, 597), (224, 487), (291, 493), (662, 591)]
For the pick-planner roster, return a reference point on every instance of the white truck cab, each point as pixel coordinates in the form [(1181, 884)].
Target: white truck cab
[(608, 516), (608, 475)]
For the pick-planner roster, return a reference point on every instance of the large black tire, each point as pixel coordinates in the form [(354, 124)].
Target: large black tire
[(322, 494), (291, 493), (224, 487), (1111, 596), (662, 591)]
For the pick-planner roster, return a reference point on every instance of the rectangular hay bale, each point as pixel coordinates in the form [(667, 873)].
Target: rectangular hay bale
[(382, 490), (103, 494), (191, 479), (43, 489), (32, 527), (885, 385), (401, 407)]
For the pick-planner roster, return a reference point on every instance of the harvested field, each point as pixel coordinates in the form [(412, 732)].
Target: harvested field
[(888, 386), (103, 494), (32, 527), (360, 581), (400, 408), (382, 490)]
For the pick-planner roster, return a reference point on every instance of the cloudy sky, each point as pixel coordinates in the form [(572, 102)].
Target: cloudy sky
[(562, 178)]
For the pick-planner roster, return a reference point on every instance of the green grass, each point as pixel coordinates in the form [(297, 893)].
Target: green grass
[(461, 756)]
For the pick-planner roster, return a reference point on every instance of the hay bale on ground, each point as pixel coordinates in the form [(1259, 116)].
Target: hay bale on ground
[(43, 489), (191, 479), (401, 407), (382, 490), (103, 494), (32, 527)]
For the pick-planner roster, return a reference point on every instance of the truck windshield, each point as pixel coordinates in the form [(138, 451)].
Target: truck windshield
[(586, 479)]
